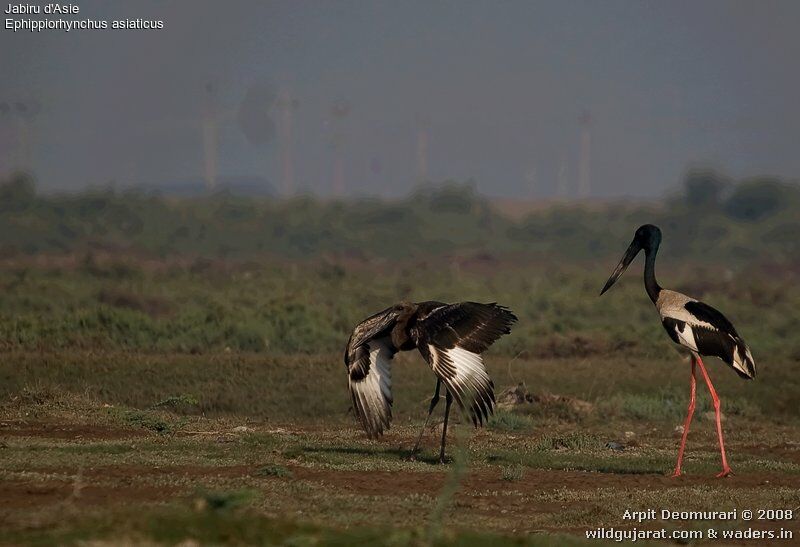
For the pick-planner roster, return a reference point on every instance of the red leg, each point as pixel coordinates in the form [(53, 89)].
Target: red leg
[(688, 421), (726, 470)]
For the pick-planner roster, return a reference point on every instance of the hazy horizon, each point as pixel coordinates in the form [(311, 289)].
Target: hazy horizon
[(528, 99)]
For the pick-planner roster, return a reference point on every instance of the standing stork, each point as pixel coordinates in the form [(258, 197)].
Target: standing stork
[(694, 325), (450, 337)]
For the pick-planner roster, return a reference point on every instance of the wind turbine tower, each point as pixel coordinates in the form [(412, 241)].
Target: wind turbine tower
[(423, 140), (6, 139), (584, 162), (561, 177), (286, 106), (209, 126), (339, 112), (26, 112)]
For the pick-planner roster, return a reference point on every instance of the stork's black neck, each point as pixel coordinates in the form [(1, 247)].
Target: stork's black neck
[(650, 284)]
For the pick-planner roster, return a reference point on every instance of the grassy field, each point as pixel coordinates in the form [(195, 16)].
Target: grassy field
[(203, 401), (276, 459)]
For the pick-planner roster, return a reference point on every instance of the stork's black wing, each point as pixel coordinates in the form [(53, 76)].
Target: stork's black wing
[(720, 339), (374, 326), (368, 359), (706, 313), (451, 339)]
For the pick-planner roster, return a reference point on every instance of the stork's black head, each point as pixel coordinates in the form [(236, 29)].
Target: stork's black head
[(647, 237)]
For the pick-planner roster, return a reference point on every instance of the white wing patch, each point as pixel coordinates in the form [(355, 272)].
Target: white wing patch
[(740, 361), (672, 305), (465, 376), (686, 337), (372, 396)]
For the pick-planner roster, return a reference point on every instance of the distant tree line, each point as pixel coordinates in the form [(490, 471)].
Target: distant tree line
[(748, 200), (712, 216)]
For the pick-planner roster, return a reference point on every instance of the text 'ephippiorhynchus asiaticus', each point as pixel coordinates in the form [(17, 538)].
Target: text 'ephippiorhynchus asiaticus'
[(451, 338), (694, 325)]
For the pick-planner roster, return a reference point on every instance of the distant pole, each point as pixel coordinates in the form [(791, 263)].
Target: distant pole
[(422, 155), (338, 173), (209, 128), (24, 140), (561, 179), (423, 140), (531, 178), (26, 112), (6, 139), (286, 106), (255, 117), (584, 165), (677, 120), (339, 112)]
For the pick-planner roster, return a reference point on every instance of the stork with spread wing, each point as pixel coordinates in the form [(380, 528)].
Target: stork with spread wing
[(451, 338)]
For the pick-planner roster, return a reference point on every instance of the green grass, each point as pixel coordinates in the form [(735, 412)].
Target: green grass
[(295, 483), (672, 405), (662, 406), (228, 383), (224, 501), (298, 309), (593, 461), (570, 441), (513, 473), (179, 403), (176, 524), (211, 396), (147, 420), (503, 420)]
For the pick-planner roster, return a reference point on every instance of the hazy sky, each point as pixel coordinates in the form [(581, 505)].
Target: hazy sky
[(499, 87)]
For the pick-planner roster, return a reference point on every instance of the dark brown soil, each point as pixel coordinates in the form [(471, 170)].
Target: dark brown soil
[(477, 493), (24, 494), (75, 432), (535, 480)]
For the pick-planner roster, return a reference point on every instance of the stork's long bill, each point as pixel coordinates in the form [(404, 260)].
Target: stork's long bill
[(630, 254)]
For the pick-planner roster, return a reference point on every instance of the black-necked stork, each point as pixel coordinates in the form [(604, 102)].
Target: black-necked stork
[(450, 337), (694, 325)]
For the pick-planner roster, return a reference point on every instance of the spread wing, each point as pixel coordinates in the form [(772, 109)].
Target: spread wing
[(374, 326), (451, 339), (368, 359)]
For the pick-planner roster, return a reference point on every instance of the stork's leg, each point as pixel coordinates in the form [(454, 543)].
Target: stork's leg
[(448, 402), (434, 402), (689, 414), (726, 470)]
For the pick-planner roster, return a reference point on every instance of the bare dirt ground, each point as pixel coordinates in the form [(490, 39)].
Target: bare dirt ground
[(65, 480)]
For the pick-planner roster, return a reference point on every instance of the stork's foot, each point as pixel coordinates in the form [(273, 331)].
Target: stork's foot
[(726, 472), (677, 473), (413, 456), (444, 460)]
